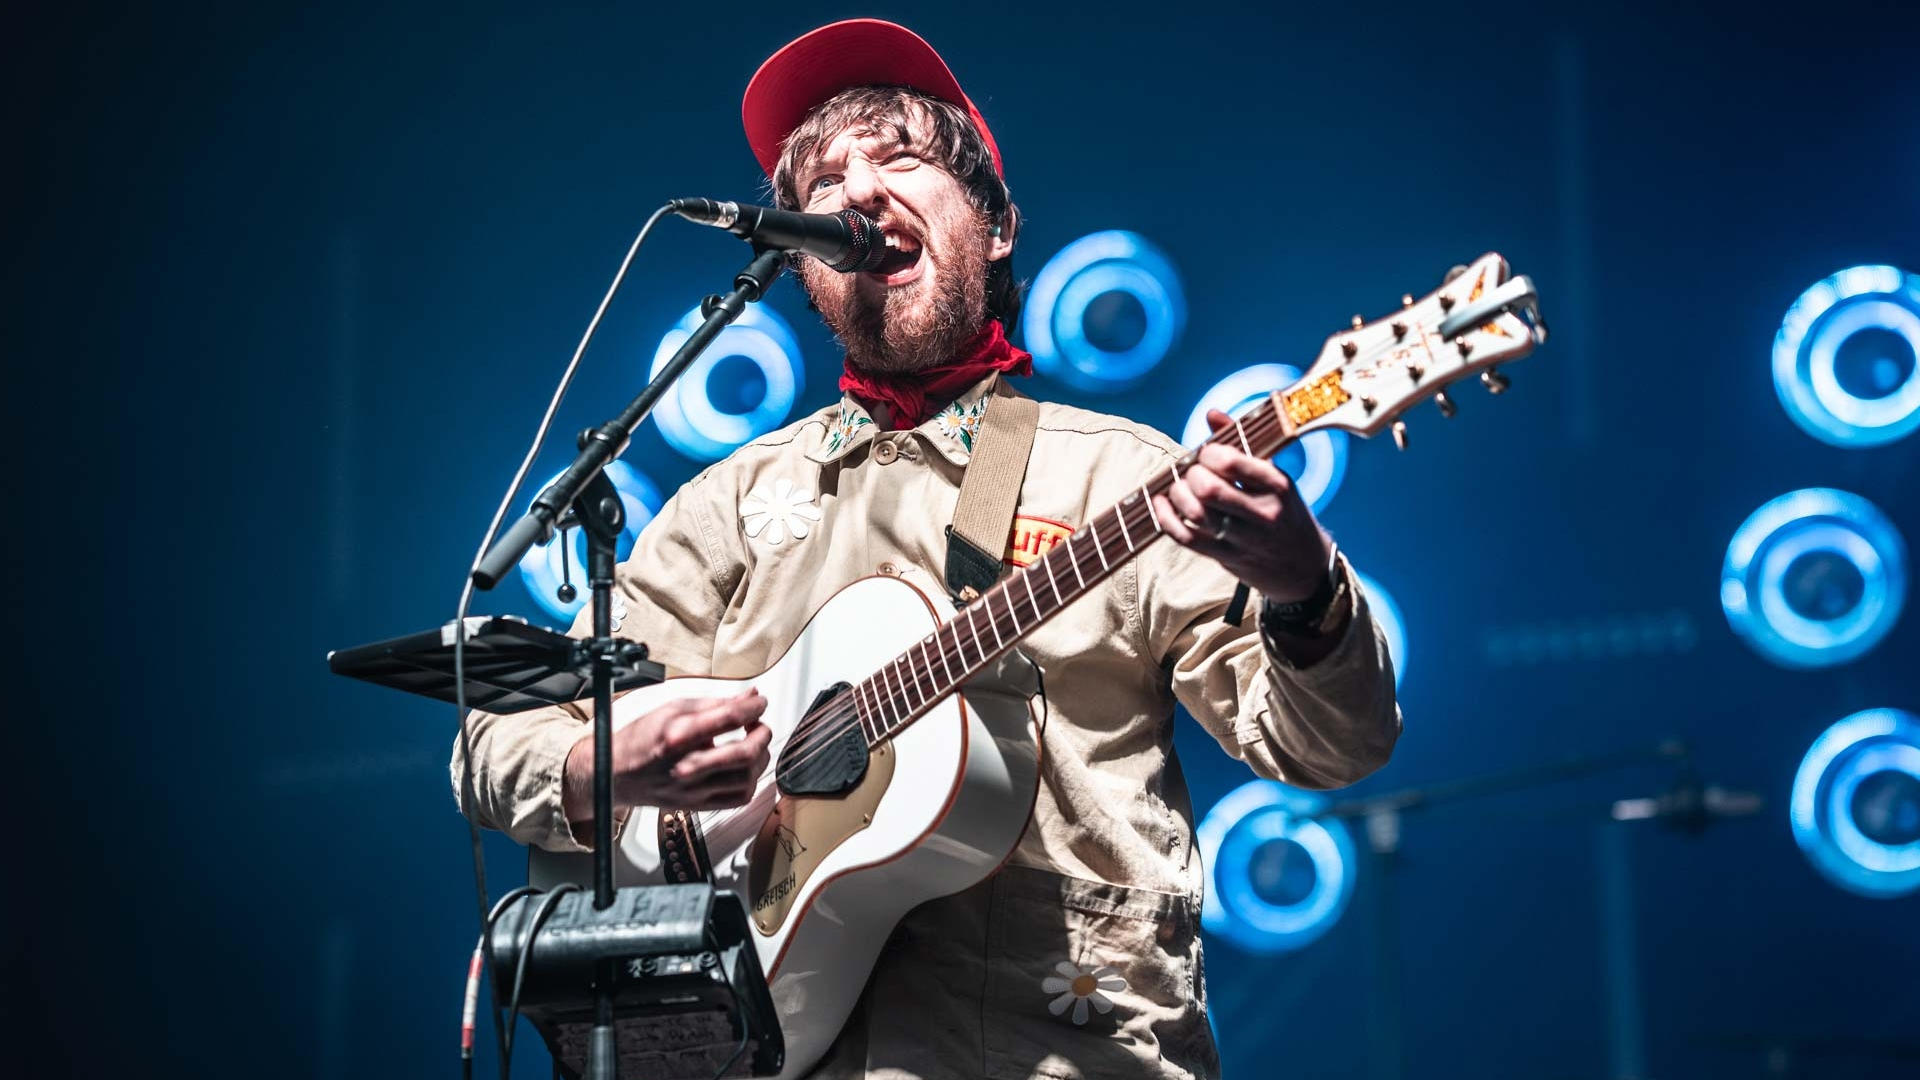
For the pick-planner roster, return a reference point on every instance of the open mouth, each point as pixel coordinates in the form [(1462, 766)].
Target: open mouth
[(901, 262)]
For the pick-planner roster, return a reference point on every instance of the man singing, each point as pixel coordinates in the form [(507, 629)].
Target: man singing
[(1081, 956)]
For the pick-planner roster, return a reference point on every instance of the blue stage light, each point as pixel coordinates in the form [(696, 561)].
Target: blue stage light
[(1387, 614), (1846, 362), (540, 566), (1815, 577), (1317, 461), (1084, 271), (1278, 878), (691, 420), (1856, 803)]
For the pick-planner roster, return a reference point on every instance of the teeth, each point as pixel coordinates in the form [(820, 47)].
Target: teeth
[(897, 242)]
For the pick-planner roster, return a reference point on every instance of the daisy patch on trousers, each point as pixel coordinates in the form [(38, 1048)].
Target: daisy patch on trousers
[(1077, 987), (773, 515)]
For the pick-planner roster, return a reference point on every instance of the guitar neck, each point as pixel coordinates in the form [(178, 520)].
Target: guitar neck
[(904, 688), (1365, 378)]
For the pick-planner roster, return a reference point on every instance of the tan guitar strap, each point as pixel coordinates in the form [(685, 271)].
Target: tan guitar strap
[(990, 492)]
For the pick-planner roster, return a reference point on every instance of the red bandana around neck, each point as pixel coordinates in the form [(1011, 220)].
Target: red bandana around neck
[(915, 396)]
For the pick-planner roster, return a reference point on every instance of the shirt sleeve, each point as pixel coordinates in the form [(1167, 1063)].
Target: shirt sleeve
[(1322, 726), (669, 593)]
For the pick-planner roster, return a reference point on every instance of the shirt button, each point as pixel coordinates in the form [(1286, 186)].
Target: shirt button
[(884, 451)]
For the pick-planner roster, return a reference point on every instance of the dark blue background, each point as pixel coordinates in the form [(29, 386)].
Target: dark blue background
[(287, 289)]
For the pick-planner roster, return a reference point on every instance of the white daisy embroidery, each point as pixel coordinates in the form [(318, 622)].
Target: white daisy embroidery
[(776, 515), (1079, 987), (619, 609), (961, 421), (848, 421)]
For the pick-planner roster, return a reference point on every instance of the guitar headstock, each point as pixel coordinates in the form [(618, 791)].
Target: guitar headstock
[(1367, 376)]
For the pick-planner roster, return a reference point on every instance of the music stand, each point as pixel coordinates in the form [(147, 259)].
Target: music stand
[(511, 666)]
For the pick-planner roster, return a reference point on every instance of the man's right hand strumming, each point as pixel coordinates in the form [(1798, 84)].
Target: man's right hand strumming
[(668, 758)]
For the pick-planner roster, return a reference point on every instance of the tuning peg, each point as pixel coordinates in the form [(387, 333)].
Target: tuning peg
[(1368, 403), (1400, 434), (1358, 322), (1446, 302), (1399, 329), (1446, 404), (1406, 299), (1348, 349), (1465, 347), (1495, 382), (1415, 372)]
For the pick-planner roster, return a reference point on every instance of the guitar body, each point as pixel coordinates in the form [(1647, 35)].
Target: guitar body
[(826, 879)]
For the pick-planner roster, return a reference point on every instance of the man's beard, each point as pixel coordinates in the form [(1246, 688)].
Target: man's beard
[(910, 329)]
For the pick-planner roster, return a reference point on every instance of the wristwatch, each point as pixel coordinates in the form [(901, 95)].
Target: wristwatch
[(1309, 617)]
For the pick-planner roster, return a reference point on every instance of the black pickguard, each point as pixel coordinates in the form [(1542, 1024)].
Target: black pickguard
[(813, 764)]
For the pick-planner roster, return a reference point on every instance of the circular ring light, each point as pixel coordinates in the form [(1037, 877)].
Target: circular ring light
[(1807, 357), (1277, 878), (1324, 452), (540, 566), (1856, 803), (1815, 577), (1091, 267), (689, 419), (1387, 614)]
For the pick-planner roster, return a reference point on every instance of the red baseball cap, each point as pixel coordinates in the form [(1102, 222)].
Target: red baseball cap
[(820, 64)]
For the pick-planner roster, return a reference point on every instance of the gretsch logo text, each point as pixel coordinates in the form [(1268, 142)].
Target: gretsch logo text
[(780, 891)]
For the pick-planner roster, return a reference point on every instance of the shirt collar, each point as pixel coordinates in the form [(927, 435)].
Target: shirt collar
[(950, 432)]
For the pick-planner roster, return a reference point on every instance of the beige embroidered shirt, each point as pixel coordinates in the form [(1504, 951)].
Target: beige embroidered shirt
[(1106, 876)]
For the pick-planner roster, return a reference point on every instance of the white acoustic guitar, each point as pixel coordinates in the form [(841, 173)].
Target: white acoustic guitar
[(888, 787)]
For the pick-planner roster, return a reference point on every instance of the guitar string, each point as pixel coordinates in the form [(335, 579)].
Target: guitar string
[(841, 713), (831, 722), (806, 744), (813, 738), (819, 730)]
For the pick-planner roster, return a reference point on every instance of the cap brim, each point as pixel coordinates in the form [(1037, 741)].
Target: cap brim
[(820, 64)]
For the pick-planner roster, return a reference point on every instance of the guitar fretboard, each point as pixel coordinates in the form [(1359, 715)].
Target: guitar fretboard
[(907, 686)]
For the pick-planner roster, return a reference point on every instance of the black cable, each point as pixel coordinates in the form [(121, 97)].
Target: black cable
[(467, 798), (483, 958), (740, 1012), (539, 918)]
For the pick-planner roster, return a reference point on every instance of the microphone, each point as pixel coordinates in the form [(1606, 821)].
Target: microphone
[(846, 241)]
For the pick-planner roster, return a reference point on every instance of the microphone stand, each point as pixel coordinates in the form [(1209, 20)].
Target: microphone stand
[(1382, 815), (602, 516)]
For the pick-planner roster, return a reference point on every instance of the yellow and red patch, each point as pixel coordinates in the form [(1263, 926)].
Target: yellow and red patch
[(1031, 538)]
